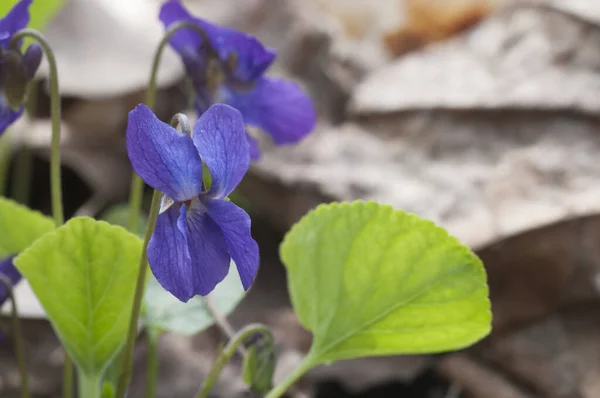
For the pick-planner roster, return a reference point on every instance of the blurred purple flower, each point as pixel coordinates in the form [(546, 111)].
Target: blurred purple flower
[(8, 270), (277, 106), (198, 231), (16, 70)]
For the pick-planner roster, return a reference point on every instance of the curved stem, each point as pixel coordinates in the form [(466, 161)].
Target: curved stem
[(280, 389), (137, 185), (127, 354), (18, 337), (228, 352), (55, 179), (180, 120)]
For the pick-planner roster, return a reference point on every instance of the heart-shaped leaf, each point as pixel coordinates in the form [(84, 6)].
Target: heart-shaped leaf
[(20, 227), (84, 275), (368, 280)]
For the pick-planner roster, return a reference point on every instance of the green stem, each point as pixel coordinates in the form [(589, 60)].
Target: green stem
[(228, 352), (18, 337), (280, 389), (135, 201), (67, 376), (137, 185), (55, 179), (23, 165), (5, 156), (127, 353), (152, 362), (89, 387), (22, 175)]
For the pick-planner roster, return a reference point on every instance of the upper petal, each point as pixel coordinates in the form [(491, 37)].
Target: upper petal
[(16, 19), (186, 41), (7, 115), (172, 12), (235, 226), (250, 57), (277, 106), (168, 254), (208, 250), (220, 138), (165, 158), (245, 54)]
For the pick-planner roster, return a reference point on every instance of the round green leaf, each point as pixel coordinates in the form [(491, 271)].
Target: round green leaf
[(368, 280), (163, 311), (84, 275), (20, 226)]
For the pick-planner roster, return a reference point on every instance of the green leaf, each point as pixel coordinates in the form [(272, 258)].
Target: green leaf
[(40, 11), (368, 280), (163, 311), (84, 275), (20, 227)]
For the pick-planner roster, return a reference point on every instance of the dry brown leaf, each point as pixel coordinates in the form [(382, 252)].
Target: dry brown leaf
[(431, 21)]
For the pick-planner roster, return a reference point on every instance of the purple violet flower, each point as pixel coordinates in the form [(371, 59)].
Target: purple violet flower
[(277, 106), (16, 70), (198, 231), (7, 269)]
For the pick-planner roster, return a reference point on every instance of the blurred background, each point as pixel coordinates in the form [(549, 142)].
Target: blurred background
[(481, 115)]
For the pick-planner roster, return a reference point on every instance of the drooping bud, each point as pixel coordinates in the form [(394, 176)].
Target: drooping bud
[(259, 366), (17, 71)]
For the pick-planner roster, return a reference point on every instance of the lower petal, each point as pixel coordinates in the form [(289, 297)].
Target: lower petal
[(277, 106), (235, 226), (168, 254), (208, 250)]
